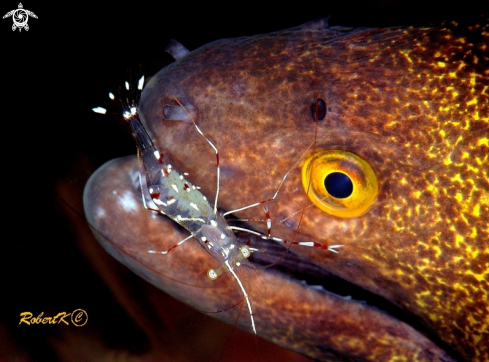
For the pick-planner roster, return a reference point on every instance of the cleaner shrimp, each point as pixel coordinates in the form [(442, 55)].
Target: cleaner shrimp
[(166, 191)]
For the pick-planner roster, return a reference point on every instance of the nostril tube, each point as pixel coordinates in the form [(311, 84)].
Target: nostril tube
[(176, 50)]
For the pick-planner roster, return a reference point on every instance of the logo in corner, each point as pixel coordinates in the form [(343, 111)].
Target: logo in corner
[(20, 17)]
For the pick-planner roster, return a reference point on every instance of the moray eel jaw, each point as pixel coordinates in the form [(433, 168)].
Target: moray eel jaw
[(288, 311), (413, 104)]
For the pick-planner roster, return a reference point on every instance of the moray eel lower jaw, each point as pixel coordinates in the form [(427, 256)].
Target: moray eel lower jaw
[(290, 303)]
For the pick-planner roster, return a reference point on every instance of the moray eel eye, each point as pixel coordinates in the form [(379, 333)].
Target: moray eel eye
[(339, 182)]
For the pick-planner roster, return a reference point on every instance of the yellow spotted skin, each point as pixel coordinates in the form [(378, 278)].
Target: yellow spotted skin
[(448, 270), (413, 103), (434, 197), (437, 202)]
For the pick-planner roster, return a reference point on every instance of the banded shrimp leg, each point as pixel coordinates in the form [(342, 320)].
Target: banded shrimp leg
[(268, 235)]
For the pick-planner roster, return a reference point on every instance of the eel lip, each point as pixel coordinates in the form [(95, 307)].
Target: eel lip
[(290, 265), (300, 295)]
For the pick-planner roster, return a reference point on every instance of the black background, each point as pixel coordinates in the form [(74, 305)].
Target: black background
[(51, 77)]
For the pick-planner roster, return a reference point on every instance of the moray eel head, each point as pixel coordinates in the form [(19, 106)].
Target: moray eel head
[(383, 135)]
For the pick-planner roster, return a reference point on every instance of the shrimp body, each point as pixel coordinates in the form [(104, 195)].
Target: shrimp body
[(183, 202)]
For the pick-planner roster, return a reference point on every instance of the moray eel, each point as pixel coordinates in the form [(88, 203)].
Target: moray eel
[(403, 113)]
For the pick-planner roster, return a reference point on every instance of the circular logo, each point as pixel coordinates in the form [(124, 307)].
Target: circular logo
[(79, 317), (20, 17)]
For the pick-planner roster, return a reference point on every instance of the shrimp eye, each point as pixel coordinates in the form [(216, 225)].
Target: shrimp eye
[(339, 182)]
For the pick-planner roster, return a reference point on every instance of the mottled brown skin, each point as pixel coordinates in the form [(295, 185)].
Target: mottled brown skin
[(414, 104)]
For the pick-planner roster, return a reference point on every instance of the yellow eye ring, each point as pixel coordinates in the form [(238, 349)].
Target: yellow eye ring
[(339, 182)]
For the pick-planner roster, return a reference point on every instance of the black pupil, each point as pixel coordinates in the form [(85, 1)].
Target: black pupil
[(338, 185)]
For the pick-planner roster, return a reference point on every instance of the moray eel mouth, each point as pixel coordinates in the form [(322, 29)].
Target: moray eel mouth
[(296, 303)]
